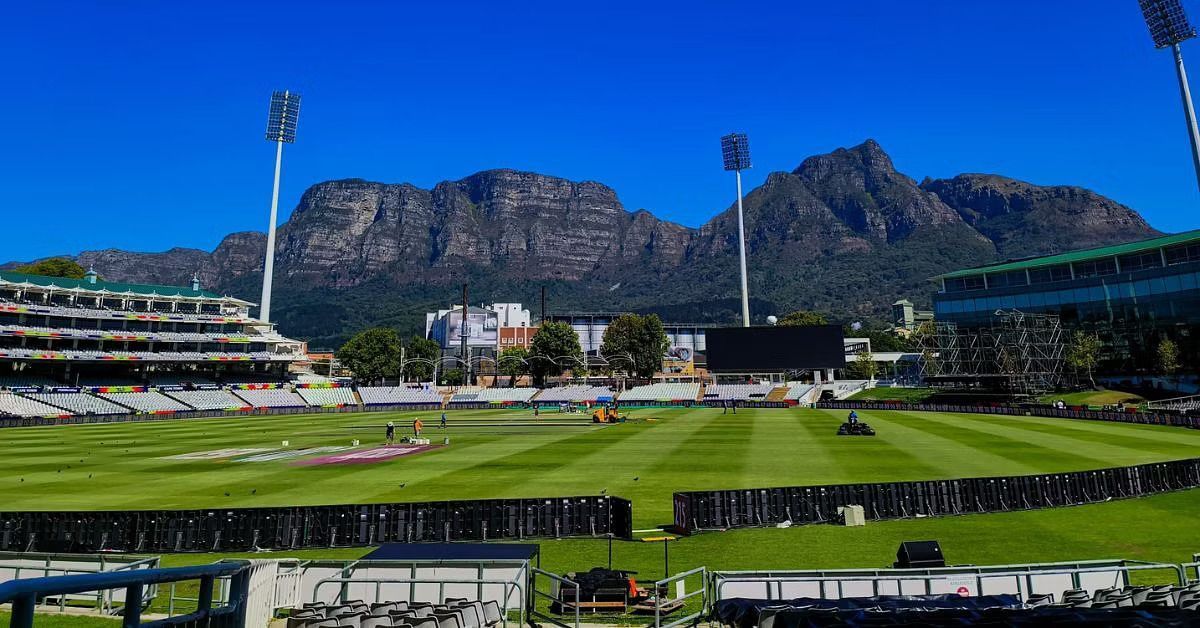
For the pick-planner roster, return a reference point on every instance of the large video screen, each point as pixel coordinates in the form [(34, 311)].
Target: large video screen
[(759, 349), (482, 329)]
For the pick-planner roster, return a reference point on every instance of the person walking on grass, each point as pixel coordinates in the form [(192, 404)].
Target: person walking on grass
[(391, 433), (443, 419), (417, 425)]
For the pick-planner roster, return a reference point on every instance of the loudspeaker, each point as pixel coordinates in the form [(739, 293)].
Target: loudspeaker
[(919, 554)]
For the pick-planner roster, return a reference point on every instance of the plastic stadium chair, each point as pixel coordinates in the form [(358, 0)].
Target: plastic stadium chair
[(491, 613), (449, 619), (376, 622)]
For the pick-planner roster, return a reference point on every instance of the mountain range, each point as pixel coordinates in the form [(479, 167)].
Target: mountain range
[(844, 233)]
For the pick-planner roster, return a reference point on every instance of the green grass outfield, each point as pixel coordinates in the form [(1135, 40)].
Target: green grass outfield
[(504, 453)]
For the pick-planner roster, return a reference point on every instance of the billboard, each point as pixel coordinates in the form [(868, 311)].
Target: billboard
[(482, 329), (762, 349)]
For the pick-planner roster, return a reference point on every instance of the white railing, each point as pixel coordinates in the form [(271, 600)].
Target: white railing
[(1019, 580), (665, 604)]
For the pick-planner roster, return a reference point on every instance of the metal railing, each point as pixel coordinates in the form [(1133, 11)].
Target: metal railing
[(661, 604), (557, 583), (831, 584), (70, 564), (24, 594), (510, 587)]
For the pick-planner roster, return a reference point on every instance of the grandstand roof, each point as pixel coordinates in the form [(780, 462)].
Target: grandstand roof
[(111, 287), (1082, 255)]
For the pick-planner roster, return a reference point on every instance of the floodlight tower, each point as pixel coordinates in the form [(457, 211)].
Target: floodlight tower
[(1168, 27), (735, 150), (281, 129)]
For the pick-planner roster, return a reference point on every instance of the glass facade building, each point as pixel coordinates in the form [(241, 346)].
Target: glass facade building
[(1131, 295)]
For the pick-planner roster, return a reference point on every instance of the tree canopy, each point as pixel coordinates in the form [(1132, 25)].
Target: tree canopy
[(421, 354), (1083, 353), (513, 362), (554, 348), (54, 267), (803, 318), (863, 366), (1167, 357), (639, 338), (372, 354)]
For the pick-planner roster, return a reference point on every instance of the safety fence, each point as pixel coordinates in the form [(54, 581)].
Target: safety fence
[(738, 508), (1021, 580), (1144, 418), (212, 611), (295, 527)]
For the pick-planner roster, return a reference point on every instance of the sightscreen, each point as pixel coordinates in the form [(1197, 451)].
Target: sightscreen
[(758, 349)]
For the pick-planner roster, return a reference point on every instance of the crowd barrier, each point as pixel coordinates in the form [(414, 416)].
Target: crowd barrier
[(718, 510), (298, 527), (1147, 418)]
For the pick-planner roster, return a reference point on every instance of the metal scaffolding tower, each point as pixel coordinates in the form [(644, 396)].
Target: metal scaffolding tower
[(1016, 353)]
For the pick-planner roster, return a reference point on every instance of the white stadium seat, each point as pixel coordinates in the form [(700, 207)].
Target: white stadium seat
[(576, 394), (151, 401), (272, 398), (661, 392), (16, 405), (209, 399), (79, 403), (395, 395), (328, 396)]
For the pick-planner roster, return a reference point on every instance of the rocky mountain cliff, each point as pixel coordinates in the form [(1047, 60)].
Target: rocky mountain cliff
[(844, 233)]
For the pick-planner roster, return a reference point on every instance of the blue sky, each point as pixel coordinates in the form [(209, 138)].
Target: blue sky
[(139, 125)]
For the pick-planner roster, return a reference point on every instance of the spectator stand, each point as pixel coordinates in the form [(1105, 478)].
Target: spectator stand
[(488, 573)]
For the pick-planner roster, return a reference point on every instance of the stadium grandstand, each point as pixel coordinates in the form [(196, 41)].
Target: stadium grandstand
[(738, 392), (328, 396), (209, 399), (576, 394), (271, 398), (398, 395), (57, 331), (661, 393), (79, 403)]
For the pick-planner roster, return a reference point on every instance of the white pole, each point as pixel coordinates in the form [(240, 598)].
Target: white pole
[(1188, 111), (269, 263), (742, 252)]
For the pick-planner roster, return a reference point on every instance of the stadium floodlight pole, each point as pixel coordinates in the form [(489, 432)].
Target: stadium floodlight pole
[(281, 129), (735, 151), (1169, 26)]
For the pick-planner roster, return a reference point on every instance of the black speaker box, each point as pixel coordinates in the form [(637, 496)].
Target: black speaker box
[(919, 555)]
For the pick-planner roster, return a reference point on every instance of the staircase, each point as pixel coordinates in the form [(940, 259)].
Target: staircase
[(777, 393)]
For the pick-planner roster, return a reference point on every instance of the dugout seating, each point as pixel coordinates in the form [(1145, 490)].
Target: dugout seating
[(737, 392), (397, 395), (16, 405), (272, 398), (151, 401), (328, 396), (453, 613), (575, 394), (209, 399), (79, 403), (668, 392)]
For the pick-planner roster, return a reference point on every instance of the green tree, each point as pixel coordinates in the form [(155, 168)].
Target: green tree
[(54, 267), (513, 363), (453, 377), (372, 354), (637, 338), (1167, 357), (1083, 353), (420, 356), (803, 318), (864, 366), (554, 348)]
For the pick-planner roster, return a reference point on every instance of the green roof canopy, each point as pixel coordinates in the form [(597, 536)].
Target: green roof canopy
[(65, 283), (1079, 256)]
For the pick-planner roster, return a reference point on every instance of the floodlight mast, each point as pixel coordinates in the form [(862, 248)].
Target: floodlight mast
[(1169, 26), (735, 152), (281, 129)]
